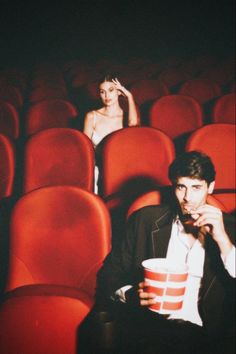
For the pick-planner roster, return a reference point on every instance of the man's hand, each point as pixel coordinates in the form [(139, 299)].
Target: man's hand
[(145, 298), (209, 219)]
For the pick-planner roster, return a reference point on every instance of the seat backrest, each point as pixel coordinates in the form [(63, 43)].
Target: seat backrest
[(47, 92), (134, 160), (12, 95), (52, 113), (224, 109), (58, 156), (9, 120), (203, 90), (147, 90), (58, 235), (176, 115), (7, 166), (217, 141), (43, 324), (173, 76), (156, 197)]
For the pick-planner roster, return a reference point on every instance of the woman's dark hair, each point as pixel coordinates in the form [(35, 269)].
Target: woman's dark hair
[(193, 164), (107, 77)]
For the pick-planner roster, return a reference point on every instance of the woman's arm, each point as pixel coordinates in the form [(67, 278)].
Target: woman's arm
[(133, 116), (88, 124)]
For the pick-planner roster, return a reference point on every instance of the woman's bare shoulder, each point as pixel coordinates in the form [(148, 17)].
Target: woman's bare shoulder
[(89, 115)]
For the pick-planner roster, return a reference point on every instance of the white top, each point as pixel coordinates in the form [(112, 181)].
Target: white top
[(179, 251), (95, 138)]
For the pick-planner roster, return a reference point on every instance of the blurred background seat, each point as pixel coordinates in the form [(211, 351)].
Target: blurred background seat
[(177, 116), (218, 141), (203, 90), (58, 156), (148, 89), (9, 120), (224, 109), (50, 113), (12, 95), (7, 166)]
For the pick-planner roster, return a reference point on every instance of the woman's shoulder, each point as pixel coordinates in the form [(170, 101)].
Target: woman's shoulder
[(89, 116)]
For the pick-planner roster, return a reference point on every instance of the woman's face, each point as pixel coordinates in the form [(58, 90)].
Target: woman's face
[(108, 93)]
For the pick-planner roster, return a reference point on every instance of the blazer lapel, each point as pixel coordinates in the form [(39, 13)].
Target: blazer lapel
[(160, 237)]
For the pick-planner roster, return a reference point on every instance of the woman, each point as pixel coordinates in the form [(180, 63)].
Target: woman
[(110, 117)]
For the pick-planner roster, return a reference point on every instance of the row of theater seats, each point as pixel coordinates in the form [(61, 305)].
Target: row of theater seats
[(76, 83), (60, 234), (174, 114), (51, 252), (134, 160), (54, 255)]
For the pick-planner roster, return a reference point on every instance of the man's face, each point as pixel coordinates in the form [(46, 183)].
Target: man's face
[(192, 193)]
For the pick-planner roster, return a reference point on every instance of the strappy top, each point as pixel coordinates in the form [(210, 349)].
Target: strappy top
[(95, 137)]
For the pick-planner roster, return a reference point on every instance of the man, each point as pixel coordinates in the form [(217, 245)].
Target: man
[(205, 244)]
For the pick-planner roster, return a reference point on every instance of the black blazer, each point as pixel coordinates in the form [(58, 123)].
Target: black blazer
[(148, 234)]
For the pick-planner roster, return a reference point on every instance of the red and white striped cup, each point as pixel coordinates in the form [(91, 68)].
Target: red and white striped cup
[(167, 281)]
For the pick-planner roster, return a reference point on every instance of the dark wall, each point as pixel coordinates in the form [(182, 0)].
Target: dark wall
[(31, 31)]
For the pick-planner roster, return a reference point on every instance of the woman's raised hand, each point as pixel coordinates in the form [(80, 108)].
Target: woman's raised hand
[(120, 88)]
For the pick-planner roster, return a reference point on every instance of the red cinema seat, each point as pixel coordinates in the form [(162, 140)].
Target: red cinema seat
[(12, 95), (58, 156), (134, 160), (48, 92), (42, 324), (218, 141), (203, 90), (148, 90), (59, 236), (174, 76), (53, 113), (224, 109), (7, 166), (9, 120), (176, 115)]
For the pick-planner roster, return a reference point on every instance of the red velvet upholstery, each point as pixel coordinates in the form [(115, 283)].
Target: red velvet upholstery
[(7, 166), (155, 198), (135, 160), (60, 236), (228, 199), (58, 156), (9, 120), (202, 90), (173, 76), (176, 115), (12, 95), (224, 109), (147, 90), (42, 324), (51, 113), (47, 92), (217, 141)]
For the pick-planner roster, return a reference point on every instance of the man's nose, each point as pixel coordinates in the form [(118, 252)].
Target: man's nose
[(187, 195)]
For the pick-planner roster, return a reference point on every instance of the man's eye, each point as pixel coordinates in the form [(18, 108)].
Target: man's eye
[(180, 187), (196, 188)]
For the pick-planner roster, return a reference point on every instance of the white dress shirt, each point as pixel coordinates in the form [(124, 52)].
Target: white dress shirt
[(180, 250)]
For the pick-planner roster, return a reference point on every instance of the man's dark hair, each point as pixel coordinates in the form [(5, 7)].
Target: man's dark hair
[(193, 164)]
